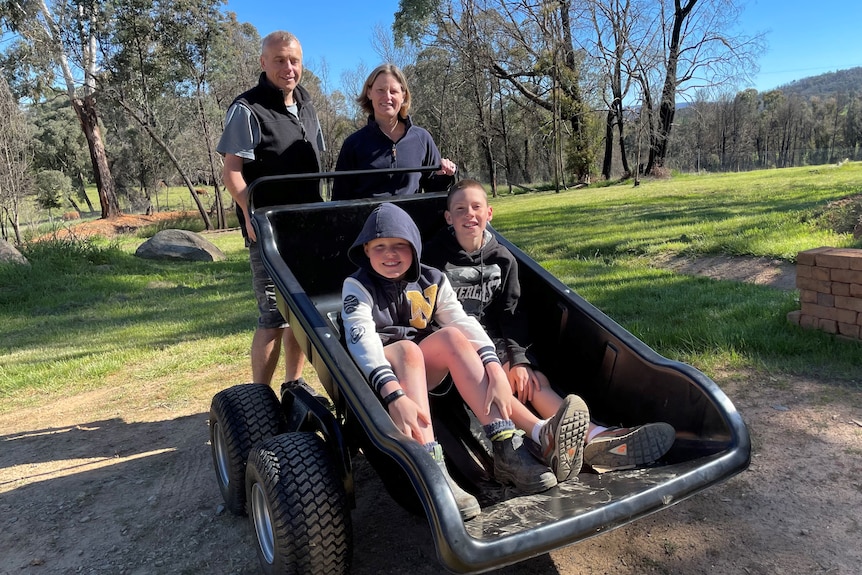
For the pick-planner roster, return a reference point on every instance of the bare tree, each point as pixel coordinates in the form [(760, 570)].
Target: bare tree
[(531, 47), (698, 51), (14, 162), (614, 43), (15, 159)]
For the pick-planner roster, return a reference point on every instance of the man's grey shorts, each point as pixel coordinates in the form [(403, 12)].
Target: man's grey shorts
[(264, 290)]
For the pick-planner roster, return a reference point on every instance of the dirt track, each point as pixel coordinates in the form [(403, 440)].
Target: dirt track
[(116, 482)]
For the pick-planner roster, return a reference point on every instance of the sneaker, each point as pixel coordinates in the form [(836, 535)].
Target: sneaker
[(562, 438), (301, 383), (514, 465), (467, 504), (627, 447)]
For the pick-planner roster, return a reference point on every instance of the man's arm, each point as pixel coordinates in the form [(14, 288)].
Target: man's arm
[(236, 185)]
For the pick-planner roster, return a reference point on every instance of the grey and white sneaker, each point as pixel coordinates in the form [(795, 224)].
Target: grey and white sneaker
[(628, 447), (562, 438)]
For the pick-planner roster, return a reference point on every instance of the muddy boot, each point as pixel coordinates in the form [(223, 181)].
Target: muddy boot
[(514, 465), (467, 504), (562, 447)]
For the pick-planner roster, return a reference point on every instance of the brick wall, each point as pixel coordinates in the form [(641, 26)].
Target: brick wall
[(830, 291)]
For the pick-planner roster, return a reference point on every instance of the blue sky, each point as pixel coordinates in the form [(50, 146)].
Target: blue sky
[(804, 38)]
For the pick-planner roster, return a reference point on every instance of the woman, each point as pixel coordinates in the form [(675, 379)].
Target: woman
[(389, 140)]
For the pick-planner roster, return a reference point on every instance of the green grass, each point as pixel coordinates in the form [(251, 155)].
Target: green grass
[(766, 213), (87, 314), (601, 241)]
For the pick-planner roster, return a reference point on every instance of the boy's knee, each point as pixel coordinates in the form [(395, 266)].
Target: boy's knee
[(453, 335), (405, 350)]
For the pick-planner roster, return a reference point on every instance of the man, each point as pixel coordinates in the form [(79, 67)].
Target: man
[(272, 129)]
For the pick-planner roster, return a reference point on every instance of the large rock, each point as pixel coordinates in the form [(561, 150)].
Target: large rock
[(179, 245), (9, 254)]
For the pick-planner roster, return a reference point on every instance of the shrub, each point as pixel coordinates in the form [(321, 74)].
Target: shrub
[(69, 253), (842, 216)]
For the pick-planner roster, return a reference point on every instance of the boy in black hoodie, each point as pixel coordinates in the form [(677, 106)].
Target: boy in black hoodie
[(388, 307), (484, 275)]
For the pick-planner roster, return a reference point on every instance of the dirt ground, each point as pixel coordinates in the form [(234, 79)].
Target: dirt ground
[(120, 481)]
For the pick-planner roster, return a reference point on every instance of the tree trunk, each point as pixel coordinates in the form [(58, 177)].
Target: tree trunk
[(505, 134), (85, 108), (627, 171), (609, 145), (660, 138), (219, 209), (74, 204), (82, 192)]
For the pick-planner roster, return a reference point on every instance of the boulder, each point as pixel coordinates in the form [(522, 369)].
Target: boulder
[(9, 254), (179, 245)]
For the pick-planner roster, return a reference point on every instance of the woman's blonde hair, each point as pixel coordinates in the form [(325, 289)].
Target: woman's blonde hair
[(393, 70)]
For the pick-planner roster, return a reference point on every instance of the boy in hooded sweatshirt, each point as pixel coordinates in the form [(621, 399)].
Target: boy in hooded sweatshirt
[(484, 275), (389, 305)]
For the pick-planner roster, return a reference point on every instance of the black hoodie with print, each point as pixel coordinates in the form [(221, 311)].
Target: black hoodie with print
[(486, 282)]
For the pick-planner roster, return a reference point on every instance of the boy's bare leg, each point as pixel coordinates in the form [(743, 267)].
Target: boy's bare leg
[(545, 400), (449, 351), (408, 364)]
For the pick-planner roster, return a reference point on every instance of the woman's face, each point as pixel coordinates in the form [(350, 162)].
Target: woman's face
[(386, 95)]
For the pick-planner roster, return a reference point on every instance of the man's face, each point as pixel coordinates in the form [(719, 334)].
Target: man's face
[(390, 257), (386, 95), (469, 214), (282, 63)]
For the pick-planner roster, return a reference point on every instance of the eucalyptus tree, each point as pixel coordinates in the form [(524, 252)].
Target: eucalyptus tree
[(333, 111), (531, 48), (234, 61), (616, 37), (852, 130), (61, 145), (468, 89), (58, 44), (193, 29), (158, 53), (15, 162)]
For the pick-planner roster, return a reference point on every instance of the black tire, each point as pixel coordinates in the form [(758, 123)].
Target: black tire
[(298, 507), (240, 417)]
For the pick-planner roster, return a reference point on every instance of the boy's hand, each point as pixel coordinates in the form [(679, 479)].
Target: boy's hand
[(409, 417), (524, 382), (499, 393)]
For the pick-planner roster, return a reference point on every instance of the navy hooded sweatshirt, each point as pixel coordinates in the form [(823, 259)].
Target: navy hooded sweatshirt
[(377, 311)]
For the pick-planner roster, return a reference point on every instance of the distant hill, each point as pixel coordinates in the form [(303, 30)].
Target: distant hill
[(829, 84)]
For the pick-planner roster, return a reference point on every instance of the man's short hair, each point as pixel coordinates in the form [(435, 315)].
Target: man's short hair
[(279, 36)]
